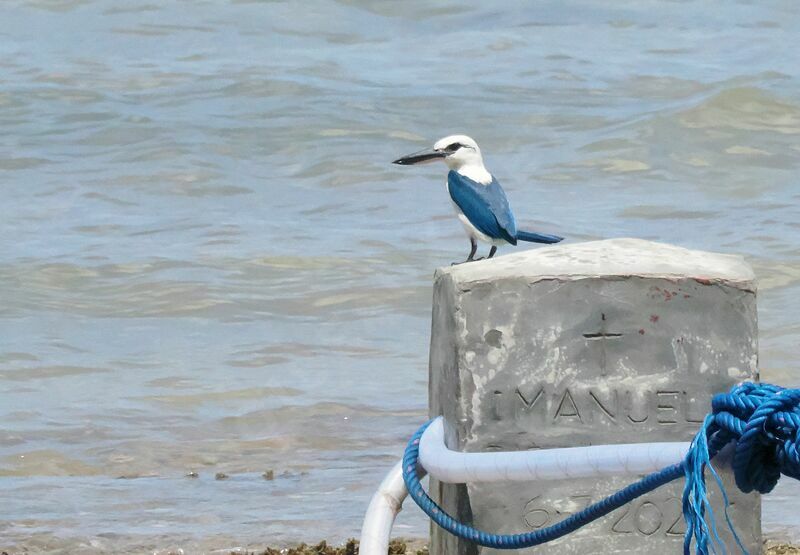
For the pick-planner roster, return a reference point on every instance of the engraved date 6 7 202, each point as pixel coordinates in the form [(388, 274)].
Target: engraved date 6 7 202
[(645, 516)]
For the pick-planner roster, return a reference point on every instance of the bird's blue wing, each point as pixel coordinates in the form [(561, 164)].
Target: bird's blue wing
[(485, 206)]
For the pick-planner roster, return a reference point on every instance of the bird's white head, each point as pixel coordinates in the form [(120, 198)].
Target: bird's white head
[(459, 152)]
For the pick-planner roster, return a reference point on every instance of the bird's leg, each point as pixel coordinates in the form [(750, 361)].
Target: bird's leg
[(492, 251), (473, 247)]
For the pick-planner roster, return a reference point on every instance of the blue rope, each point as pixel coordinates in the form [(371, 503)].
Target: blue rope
[(763, 420)]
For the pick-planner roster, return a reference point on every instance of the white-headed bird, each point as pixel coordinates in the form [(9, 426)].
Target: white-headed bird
[(478, 199)]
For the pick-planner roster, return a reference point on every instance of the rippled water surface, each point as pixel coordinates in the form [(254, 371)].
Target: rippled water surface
[(208, 265)]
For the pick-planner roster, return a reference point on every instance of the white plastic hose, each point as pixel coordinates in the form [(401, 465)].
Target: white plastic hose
[(455, 467), (383, 509)]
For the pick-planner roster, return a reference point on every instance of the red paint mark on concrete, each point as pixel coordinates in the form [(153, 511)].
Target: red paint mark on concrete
[(704, 281), (641, 332), (654, 318)]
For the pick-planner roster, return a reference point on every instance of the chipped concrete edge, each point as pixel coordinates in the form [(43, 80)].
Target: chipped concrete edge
[(747, 285), (607, 259)]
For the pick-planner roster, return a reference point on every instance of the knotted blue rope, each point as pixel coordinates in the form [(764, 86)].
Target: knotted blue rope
[(763, 420)]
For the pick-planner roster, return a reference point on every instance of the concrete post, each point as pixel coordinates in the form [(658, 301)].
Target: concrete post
[(612, 341)]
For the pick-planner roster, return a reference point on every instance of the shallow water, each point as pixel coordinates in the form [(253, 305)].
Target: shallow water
[(209, 265)]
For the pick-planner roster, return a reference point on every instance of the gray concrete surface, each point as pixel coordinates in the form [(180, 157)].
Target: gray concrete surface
[(611, 341)]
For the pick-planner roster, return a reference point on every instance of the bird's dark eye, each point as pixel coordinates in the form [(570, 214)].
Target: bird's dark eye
[(453, 147)]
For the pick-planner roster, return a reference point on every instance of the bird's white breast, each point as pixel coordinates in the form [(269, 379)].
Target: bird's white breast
[(476, 172)]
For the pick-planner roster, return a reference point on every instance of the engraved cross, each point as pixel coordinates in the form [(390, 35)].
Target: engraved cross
[(603, 335)]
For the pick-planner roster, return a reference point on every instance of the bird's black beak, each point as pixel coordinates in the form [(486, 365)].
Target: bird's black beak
[(421, 157)]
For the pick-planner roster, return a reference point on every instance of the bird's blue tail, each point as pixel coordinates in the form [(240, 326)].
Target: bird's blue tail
[(533, 237)]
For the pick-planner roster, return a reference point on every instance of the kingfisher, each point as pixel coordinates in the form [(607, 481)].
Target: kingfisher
[(479, 200)]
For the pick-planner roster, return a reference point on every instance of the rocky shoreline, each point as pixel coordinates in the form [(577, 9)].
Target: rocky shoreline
[(420, 547)]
